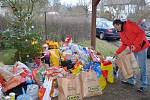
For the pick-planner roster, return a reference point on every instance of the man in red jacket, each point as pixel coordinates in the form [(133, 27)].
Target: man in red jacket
[(133, 37)]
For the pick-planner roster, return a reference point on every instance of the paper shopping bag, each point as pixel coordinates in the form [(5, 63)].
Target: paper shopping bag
[(128, 65), (69, 88), (134, 63), (89, 84)]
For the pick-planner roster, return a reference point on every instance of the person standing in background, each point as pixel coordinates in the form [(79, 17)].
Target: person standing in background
[(46, 54)]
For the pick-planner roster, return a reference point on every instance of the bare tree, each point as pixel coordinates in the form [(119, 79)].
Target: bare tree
[(23, 13), (84, 4)]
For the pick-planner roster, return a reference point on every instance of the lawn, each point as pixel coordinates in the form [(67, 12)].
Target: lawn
[(7, 56), (102, 46)]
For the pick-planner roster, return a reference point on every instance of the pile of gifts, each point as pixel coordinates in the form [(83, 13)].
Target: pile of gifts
[(75, 72)]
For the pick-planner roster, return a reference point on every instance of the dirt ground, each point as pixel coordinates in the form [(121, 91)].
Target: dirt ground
[(118, 91)]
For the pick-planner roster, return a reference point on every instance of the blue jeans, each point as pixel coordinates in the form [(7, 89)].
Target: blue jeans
[(141, 58)]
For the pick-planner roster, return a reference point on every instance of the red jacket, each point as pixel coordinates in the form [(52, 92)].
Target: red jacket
[(132, 34)]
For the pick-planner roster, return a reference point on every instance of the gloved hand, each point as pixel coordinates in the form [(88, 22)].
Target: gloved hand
[(115, 56)]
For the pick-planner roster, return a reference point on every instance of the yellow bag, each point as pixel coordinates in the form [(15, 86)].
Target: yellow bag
[(109, 68), (102, 82), (54, 57)]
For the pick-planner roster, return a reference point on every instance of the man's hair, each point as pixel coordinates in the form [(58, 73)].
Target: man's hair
[(117, 22)]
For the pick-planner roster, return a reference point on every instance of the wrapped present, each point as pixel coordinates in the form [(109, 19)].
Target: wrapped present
[(38, 75), (13, 82), (5, 74)]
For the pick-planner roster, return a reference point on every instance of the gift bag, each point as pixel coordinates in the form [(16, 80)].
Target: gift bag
[(107, 71), (54, 57), (101, 80), (128, 65), (89, 84), (69, 88)]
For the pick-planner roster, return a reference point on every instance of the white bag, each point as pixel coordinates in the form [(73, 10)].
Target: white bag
[(24, 96), (32, 91), (48, 85)]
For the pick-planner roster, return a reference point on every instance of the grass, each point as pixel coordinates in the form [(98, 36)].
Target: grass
[(102, 46), (7, 56)]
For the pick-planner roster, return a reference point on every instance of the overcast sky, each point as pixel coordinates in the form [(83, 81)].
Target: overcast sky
[(72, 2)]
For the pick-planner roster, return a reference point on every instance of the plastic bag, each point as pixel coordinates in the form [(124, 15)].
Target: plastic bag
[(48, 85), (66, 54), (107, 66), (45, 89), (19, 66), (101, 79), (32, 91), (54, 57), (24, 96), (1, 93)]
